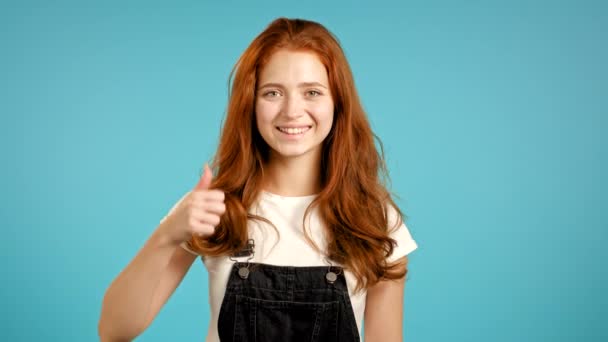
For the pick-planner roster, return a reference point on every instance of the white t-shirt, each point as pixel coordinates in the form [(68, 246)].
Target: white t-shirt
[(292, 249)]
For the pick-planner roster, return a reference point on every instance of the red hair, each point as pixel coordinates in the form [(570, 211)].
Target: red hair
[(353, 202)]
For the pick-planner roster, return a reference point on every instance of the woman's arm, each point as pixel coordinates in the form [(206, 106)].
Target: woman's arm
[(136, 296), (384, 310), (142, 288)]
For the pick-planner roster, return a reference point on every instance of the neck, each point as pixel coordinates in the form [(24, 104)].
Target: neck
[(298, 176)]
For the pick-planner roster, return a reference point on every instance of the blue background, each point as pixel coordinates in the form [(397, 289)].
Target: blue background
[(493, 114)]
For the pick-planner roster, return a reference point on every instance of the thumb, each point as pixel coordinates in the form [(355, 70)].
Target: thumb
[(205, 180)]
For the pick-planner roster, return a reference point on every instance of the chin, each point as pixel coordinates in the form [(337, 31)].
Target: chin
[(292, 152)]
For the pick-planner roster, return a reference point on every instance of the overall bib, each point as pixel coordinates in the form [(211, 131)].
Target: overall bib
[(266, 303)]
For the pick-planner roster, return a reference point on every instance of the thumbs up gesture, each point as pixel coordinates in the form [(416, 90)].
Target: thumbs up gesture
[(206, 206), (199, 212)]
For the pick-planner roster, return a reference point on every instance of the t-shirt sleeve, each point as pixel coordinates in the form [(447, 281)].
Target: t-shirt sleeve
[(399, 231), (184, 244)]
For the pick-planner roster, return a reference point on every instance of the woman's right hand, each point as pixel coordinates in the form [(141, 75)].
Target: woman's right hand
[(198, 212)]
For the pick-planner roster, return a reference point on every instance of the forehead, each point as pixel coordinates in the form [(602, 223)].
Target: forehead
[(285, 66)]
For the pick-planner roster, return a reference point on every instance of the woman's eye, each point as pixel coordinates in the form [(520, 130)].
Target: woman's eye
[(272, 93), (313, 93)]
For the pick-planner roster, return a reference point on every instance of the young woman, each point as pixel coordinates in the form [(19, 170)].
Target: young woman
[(301, 239)]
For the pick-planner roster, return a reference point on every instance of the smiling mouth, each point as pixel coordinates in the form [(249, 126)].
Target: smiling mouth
[(294, 130)]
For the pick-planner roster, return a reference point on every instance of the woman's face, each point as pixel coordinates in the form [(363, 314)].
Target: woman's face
[(294, 107)]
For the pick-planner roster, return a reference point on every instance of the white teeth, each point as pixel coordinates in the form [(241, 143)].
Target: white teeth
[(294, 130)]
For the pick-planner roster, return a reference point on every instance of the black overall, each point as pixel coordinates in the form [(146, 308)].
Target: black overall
[(284, 303)]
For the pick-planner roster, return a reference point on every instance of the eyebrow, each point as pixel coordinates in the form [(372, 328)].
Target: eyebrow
[(300, 85)]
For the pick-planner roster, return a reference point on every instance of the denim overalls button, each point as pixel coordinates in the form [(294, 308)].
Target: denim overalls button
[(331, 277), (243, 272)]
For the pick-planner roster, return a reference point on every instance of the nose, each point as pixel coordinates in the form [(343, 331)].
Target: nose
[(292, 108)]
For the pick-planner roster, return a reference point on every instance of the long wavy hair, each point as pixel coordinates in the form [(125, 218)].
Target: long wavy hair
[(354, 201)]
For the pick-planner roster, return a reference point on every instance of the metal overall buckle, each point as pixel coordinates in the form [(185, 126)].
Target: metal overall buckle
[(248, 251), (331, 276)]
